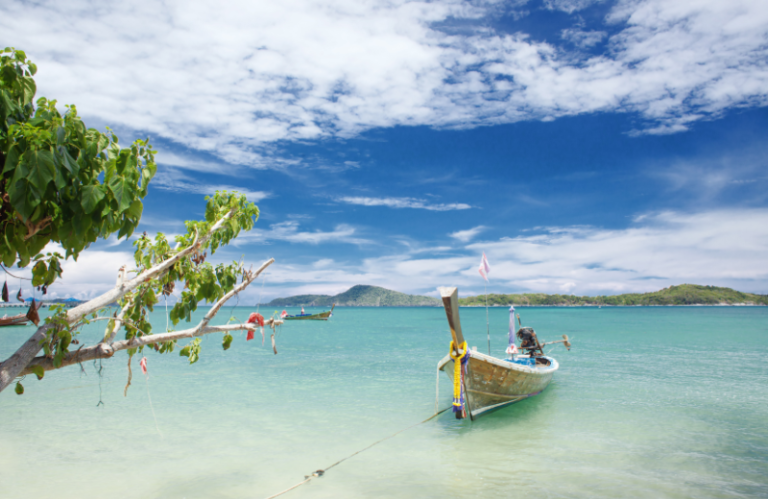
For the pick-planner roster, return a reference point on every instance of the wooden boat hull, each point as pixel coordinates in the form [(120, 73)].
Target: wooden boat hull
[(314, 317), (16, 320), (322, 316), (492, 383)]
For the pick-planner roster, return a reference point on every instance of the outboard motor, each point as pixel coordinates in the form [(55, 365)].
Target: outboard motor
[(529, 341)]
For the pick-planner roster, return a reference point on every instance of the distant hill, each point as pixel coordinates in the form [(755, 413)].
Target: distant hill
[(358, 296), (684, 294)]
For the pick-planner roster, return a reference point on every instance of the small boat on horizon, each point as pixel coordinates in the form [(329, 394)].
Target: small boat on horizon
[(486, 383), (23, 319), (322, 316)]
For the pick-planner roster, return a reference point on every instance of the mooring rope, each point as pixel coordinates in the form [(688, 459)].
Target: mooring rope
[(146, 379), (323, 471)]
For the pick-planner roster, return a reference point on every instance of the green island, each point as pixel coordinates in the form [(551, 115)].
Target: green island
[(684, 294), (374, 296), (358, 296)]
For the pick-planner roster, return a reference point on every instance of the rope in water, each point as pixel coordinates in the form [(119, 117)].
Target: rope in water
[(322, 472)]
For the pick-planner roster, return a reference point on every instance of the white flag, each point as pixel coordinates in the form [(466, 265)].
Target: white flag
[(484, 267)]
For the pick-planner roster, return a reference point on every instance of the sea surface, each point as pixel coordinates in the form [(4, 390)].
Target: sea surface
[(660, 402)]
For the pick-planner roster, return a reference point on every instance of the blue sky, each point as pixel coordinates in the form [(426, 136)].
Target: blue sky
[(588, 147)]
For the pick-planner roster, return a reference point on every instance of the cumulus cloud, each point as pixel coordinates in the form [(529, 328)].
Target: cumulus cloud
[(723, 248), (232, 80), (710, 178), (582, 38), (718, 247), (403, 203), (467, 235), (170, 179), (289, 232), (569, 6)]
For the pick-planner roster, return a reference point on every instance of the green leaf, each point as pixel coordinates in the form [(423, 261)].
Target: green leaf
[(81, 226), (91, 196), (68, 161), (227, 341), (28, 88), (24, 198), (123, 161), (38, 371), (135, 210), (12, 159), (123, 191), (184, 352), (39, 273), (61, 135), (41, 168), (19, 389)]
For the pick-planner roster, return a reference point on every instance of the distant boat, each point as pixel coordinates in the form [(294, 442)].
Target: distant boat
[(14, 320), (489, 383), (322, 316), (21, 319)]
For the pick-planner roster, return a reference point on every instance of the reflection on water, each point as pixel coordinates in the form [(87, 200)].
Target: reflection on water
[(646, 404)]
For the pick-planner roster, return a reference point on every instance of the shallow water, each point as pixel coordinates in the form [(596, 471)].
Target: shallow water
[(649, 402)]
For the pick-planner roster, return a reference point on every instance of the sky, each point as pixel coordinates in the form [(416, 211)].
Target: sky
[(587, 147)]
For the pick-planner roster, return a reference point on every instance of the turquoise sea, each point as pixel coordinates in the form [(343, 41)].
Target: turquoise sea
[(650, 402)]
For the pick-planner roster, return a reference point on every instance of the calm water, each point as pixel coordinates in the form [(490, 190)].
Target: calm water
[(650, 402)]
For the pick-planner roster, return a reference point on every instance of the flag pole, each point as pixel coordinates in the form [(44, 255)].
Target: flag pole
[(487, 324)]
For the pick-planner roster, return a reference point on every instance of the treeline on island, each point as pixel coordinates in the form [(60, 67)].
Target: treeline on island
[(358, 296), (374, 296), (684, 294)]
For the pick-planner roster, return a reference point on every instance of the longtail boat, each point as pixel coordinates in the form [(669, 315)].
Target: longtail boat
[(14, 320), (486, 383), (322, 316), (23, 319)]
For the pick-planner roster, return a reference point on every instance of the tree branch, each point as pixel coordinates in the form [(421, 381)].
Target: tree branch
[(104, 351), (119, 320), (249, 278), (15, 364)]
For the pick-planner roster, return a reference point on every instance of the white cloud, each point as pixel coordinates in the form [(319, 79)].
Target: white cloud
[(231, 79), (467, 235), (723, 248), (187, 162), (583, 38), (569, 6), (289, 232), (718, 247), (709, 177), (94, 273), (173, 180), (403, 203)]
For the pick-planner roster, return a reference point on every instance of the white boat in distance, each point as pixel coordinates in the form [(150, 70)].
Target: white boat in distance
[(490, 383)]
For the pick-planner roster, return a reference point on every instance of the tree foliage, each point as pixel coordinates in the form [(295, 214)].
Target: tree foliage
[(60, 181), (202, 281)]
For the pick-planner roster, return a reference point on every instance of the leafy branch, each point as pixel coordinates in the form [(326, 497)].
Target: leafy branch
[(158, 267)]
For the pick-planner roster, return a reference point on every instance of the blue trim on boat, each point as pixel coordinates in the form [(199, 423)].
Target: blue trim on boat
[(530, 362)]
